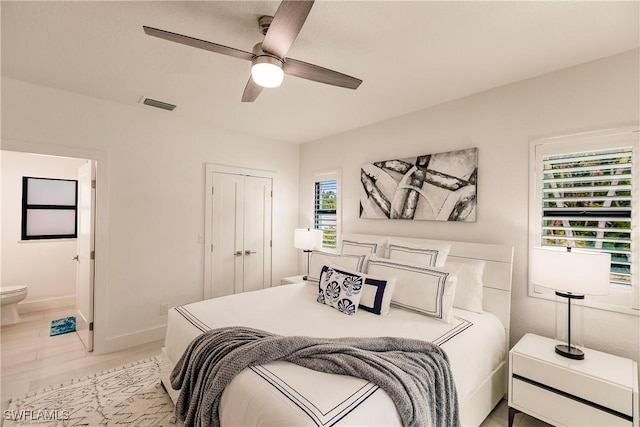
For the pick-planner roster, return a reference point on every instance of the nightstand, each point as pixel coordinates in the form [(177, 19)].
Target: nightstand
[(291, 280), (601, 390)]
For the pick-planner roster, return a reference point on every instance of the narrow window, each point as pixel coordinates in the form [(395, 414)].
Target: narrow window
[(49, 208), (325, 211)]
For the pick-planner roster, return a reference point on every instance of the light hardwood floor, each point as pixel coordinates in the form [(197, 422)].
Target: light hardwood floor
[(30, 360)]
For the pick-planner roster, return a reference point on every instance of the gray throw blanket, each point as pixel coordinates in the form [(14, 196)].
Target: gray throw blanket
[(415, 374)]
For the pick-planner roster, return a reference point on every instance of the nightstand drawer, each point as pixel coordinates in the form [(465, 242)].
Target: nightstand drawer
[(561, 410), (570, 381)]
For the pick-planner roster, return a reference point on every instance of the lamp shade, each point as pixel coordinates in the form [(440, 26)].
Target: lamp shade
[(307, 239), (578, 272), (267, 71)]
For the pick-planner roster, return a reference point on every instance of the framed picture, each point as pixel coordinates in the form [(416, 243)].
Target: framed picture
[(437, 187)]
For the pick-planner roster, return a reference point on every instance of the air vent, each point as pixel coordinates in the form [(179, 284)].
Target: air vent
[(158, 104)]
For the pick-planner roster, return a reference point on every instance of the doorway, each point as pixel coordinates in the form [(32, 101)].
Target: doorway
[(238, 227), (65, 269)]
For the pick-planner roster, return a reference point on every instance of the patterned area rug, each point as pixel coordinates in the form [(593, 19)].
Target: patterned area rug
[(62, 326), (127, 396)]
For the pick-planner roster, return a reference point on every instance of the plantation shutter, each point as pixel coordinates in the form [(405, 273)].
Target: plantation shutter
[(587, 204), (325, 214)]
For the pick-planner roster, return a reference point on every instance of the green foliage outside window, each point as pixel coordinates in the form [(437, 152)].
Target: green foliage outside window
[(587, 204), (325, 216)]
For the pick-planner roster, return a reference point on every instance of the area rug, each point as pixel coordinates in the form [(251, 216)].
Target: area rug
[(62, 326), (130, 395)]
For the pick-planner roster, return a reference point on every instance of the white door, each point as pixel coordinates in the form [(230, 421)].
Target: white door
[(257, 233), (241, 233), (85, 254), (227, 251)]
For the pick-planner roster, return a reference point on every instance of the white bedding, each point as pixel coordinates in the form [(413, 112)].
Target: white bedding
[(281, 393)]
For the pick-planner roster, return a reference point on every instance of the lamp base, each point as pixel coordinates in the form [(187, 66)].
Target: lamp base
[(570, 352)]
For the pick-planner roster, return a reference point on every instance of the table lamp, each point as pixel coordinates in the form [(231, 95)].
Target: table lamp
[(307, 239), (572, 274)]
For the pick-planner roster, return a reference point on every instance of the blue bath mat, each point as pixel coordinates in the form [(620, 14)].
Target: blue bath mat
[(62, 326)]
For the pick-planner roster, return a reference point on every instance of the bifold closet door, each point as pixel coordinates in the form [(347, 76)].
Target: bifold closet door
[(241, 226)]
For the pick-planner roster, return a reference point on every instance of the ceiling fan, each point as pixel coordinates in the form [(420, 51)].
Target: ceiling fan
[(268, 59)]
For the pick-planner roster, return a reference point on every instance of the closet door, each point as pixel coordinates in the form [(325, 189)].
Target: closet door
[(228, 249), (257, 233), (241, 233)]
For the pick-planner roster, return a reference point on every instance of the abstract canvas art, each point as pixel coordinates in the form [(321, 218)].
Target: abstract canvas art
[(438, 187)]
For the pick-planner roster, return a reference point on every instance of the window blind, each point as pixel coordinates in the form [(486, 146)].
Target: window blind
[(325, 214), (587, 204)]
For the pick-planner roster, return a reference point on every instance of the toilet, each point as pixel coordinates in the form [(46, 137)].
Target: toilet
[(11, 296)]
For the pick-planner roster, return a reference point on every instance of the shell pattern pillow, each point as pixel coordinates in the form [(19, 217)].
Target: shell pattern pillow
[(340, 289)]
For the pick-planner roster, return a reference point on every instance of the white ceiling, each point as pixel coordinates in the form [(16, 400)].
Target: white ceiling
[(410, 55)]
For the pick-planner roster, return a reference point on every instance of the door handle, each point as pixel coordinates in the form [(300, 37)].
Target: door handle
[(76, 258), (238, 253), (249, 252)]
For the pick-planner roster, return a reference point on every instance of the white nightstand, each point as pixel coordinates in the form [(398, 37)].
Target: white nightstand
[(601, 390), (291, 280)]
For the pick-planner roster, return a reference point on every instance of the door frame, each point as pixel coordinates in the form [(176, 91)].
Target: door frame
[(101, 224), (210, 169)]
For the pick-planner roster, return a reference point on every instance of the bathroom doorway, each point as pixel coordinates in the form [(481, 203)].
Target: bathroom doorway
[(58, 271)]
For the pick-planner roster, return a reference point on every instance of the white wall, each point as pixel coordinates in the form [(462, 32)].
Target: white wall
[(45, 266), (501, 123), (151, 197)]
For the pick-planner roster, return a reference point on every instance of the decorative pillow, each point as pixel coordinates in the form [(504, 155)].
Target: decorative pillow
[(376, 292), (469, 287), (427, 290), (428, 255), (318, 259), (340, 289), (355, 245)]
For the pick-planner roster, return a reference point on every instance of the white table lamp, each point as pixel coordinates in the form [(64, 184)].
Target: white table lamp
[(307, 239), (572, 274)]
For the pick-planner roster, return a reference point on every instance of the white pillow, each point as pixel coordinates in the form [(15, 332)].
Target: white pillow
[(340, 289), (376, 292), (428, 255), (355, 245), (469, 287), (427, 290), (319, 259)]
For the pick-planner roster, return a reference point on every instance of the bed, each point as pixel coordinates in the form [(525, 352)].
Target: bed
[(281, 393)]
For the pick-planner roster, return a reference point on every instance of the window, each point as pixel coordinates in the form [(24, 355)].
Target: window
[(49, 208), (586, 203), (585, 195), (325, 208)]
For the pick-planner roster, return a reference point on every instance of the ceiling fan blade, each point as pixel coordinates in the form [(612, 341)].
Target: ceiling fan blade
[(251, 91), (201, 44), (296, 68), (287, 23)]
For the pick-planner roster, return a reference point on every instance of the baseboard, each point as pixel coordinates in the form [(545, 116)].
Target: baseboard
[(46, 304), (122, 342)]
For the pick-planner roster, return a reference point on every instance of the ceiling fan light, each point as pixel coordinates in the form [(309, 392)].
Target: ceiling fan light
[(267, 71)]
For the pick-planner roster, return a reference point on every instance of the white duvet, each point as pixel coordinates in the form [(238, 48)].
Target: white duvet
[(281, 393)]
